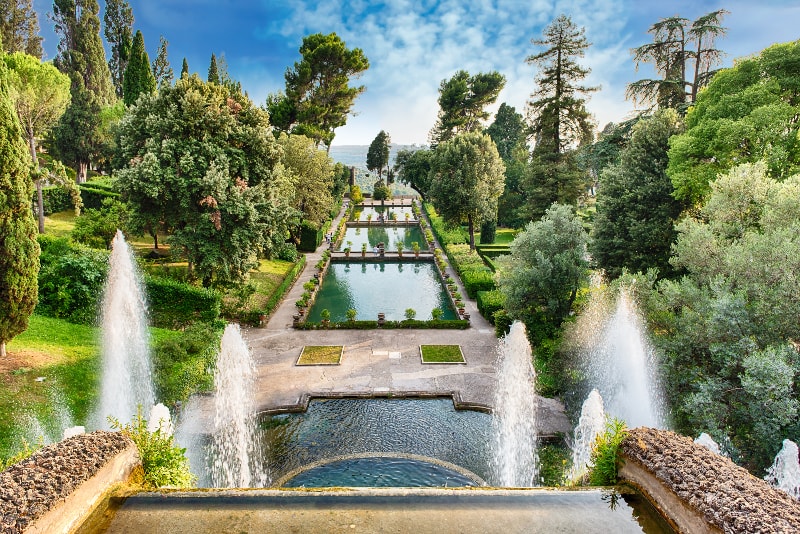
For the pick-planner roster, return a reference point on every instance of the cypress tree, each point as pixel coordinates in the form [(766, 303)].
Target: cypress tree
[(19, 250), (213, 72), (138, 76), (117, 22), (185, 68), (19, 27), (161, 68)]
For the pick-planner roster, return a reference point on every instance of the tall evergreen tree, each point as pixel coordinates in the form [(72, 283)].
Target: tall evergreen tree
[(117, 28), (138, 76), (509, 131), (684, 55), (19, 27), (378, 153), (19, 250), (213, 72), (161, 68), (318, 96), (81, 56), (462, 103), (559, 118), (184, 68)]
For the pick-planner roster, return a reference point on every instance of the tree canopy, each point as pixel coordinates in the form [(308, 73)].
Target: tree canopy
[(467, 180), (509, 132), (203, 165), (19, 27), (19, 250), (310, 174), (318, 95), (746, 114), (117, 28), (462, 103), (378, 153), (413, 168), (138, 76), (162, 71)]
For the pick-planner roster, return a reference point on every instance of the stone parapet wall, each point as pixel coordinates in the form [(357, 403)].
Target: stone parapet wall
[(700, 491), (54, 489)]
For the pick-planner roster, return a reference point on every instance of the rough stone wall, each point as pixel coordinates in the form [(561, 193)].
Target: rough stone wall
[(32, 487), (725, 495)]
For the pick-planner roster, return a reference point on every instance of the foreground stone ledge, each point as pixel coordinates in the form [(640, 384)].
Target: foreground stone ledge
[(700, 491), (59, 485)]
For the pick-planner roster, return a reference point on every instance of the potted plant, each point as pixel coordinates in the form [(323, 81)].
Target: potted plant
[(400, 249), (363, 249), (369, 217), (415, 247), (347, 251), (351, 315), (410, 313), (325, 315), (408, 216), (437, 313)]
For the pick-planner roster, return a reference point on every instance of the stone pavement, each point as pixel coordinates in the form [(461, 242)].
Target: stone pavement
[(378, 362)]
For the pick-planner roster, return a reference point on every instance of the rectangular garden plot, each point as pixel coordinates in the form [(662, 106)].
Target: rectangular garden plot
[(441, 354), (321, 355)]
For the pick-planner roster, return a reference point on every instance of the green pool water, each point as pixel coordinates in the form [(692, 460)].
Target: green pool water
[(362, 213), (381, 287), (382, 234)]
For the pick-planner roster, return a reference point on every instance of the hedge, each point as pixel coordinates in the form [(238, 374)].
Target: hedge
[(93, 195), (444, 234), (472, 270), (490, 302), (174, 304), (55, 199), (477, 279), (311, 235)]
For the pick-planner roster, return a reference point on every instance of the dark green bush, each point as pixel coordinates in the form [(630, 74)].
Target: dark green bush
[(174, 304), (71, 280), (310, 236), (489, 302), (444, 234), (287, 252), (94, 194), (97, 228), (488, 231), (55, 199), (477, 279), (502, 323)]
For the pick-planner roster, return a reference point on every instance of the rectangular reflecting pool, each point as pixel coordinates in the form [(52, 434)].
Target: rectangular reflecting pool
[(390, 236), (383, 287), (363, 213)]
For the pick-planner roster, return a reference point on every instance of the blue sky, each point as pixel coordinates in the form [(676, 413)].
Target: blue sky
[(413, 45)]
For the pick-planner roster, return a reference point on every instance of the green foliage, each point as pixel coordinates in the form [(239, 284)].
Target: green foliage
[(97, 228), (24, 452), (138, 78), (378, 153), (746, 114), (436, 314), (164, 462), (413, 168), (439, 324), (474, 273), (162, 71), (94, 195), (19, 252), (553, 463), (488, 231), (410, 313), (469, 177), (183, 364), (356, 197), (213, 71), (287, 252), (502, 323), (541, 277), (175, 304), (19, 28), (325, 314), (70, 280), (311, 235), (117, 22), (351, 314), (604, 457), (490, 301), (381, 191), (476, 280), (310, 172), (462, 102), (445, 234), (636, 212)]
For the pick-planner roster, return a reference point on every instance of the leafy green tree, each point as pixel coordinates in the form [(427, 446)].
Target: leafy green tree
[(310, 173), (605, 151), (40, 96), (413, 168), (213, 71), (213, 182), (138, 76), (381, 191), (560, 120), (728, 329), (509, 133), (378, 153), (467, 180), (117, 28), (318, 96), (462, 103), (541, 277), (97, 227), (19, 251), (636, 212), (746, 114), (19, 27), (678, 49), (162, 71)]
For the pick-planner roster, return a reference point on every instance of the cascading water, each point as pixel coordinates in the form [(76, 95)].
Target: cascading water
[(784, 473), (127, 377), (591, 423), (708, 442), (621, 365), (235, 452), (514, 455)]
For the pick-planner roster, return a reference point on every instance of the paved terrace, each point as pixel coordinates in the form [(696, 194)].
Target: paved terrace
[(378, 362)]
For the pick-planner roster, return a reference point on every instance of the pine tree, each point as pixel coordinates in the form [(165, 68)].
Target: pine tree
[(462, 102), (185, 68), (118, 22), (560, 120), (213, 73), (138, 76), (19, 27), (161, 68), (19, 250)]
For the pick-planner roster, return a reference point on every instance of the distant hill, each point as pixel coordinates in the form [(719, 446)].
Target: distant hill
[(356, 156)]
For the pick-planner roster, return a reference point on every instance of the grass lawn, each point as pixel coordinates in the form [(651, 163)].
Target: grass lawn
[(321, 355), (59, 224), (441, 354), (503, 236), (68, 357)]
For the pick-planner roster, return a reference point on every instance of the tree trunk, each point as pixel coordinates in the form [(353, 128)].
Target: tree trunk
[(83, 167), (38, 182), (2, 349), (471, 232), (154, 235)]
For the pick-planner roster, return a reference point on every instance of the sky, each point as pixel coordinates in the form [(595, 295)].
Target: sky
[(413, 45)]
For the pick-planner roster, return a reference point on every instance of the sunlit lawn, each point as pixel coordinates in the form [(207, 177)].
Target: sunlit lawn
[(320, 355), (59, 224), (503, 236)]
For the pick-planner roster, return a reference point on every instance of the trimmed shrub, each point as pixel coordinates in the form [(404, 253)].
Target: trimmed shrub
[(488, 231), (502, 323), (55, 199), (93, 195), (310, 236), (175, 304), (477, 279), (444, 234), (489, 302)]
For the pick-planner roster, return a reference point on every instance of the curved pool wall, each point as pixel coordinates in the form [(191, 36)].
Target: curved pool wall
[(430, 428), (388, 287), (390, 236)]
